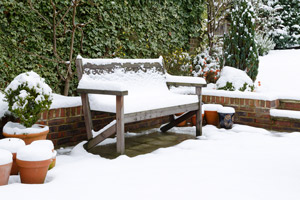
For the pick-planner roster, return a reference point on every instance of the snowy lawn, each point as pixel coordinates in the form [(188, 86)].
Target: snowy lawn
[(244, 163), (279, 73)]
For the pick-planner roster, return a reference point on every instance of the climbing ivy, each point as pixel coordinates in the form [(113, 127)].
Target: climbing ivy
[(120, 28)]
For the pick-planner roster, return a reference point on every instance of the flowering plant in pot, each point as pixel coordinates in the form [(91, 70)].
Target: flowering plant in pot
[(28, 96)]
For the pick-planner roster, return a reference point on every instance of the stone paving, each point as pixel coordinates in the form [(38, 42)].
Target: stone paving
[(142, 144)]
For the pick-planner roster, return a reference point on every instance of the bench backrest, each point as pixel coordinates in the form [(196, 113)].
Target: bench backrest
[(136, 74)]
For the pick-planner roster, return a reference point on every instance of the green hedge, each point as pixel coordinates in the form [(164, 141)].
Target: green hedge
[(129, 29)]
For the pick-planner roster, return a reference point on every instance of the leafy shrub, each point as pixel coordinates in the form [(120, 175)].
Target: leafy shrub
[(207, 66), (264, 44), (178, 63), (27, 96)]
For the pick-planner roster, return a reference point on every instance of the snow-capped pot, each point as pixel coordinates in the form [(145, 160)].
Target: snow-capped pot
[(6, 160), (12, 145), (211, 113), (33, 162), (17, 130), (226, 117), (47, 144), (28, 95)]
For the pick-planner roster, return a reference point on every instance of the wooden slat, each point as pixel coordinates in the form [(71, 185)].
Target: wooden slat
[(150, 114), (106, 92), (87, 115), (120, 124), (177, 121), (79, 68), (199, 113), (176, 84), (101, 137)]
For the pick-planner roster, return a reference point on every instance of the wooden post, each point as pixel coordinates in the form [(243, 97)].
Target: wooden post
[(199, 113), (120, 124), (87, 115)]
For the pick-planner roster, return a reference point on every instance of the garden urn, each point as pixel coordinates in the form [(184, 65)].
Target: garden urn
[(226, 116)]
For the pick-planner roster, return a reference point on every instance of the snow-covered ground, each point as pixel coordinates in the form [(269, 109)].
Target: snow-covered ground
[(279, 73), (243, 163)]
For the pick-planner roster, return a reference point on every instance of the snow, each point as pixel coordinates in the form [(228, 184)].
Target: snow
[(3, 105), (185, 79), (6, 157), (60, 101), (118, 60), (212, 107), (14, 128), (279, 74), (91, 82), (226, 110), (34, 153), (242, 163), (11, 144), (43, 143), (285, 113), (235, 76)]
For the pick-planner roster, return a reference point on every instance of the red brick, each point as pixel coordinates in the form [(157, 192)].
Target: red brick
[(62, 112), (204, 98), (252, 115), (51, 114), (242, 102), (262, 103), (226, 101), (213, 99), (218, 100), (256, 103), (53, 122), (283, 123), (222, 100), (231, 101)]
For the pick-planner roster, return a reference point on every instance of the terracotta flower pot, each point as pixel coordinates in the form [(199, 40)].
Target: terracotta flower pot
[(4, 173), (211, 114), (26, 136), (194, 119), (181, 124), (33, 172), (53, 163), (12, 145), (5, 166)]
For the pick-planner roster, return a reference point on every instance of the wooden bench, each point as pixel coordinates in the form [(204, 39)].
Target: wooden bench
[(134, 89)]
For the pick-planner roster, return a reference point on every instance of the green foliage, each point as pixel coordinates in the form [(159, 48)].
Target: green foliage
[(127, 29), (240, 50), (229, 86), (26, 102), (246, 86), (286, 29), (178, 63), (264, 43)]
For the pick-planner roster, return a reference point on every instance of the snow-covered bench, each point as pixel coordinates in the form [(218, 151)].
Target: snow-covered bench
[(134, 89)]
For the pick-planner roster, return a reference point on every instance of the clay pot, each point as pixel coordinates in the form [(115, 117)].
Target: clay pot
[(33, 172), (4, 173), (211, 114), (12, 145), (181, 124), (5, 166), (28, 137)]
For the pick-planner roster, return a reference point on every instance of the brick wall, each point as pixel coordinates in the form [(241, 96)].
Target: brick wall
[(255, 112)]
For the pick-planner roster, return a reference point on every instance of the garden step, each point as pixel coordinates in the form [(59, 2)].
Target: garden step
[(281, 114), (288, 104)]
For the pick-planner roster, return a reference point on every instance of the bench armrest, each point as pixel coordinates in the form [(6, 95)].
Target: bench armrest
[(93, 86), (185, 81), (106, 92)]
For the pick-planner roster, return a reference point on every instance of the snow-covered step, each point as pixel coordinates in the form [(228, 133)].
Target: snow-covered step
[(288, 104), (279, 113)]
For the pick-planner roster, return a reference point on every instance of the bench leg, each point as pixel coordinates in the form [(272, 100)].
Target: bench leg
[(120, 124), (199, 113), (87, 115)]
